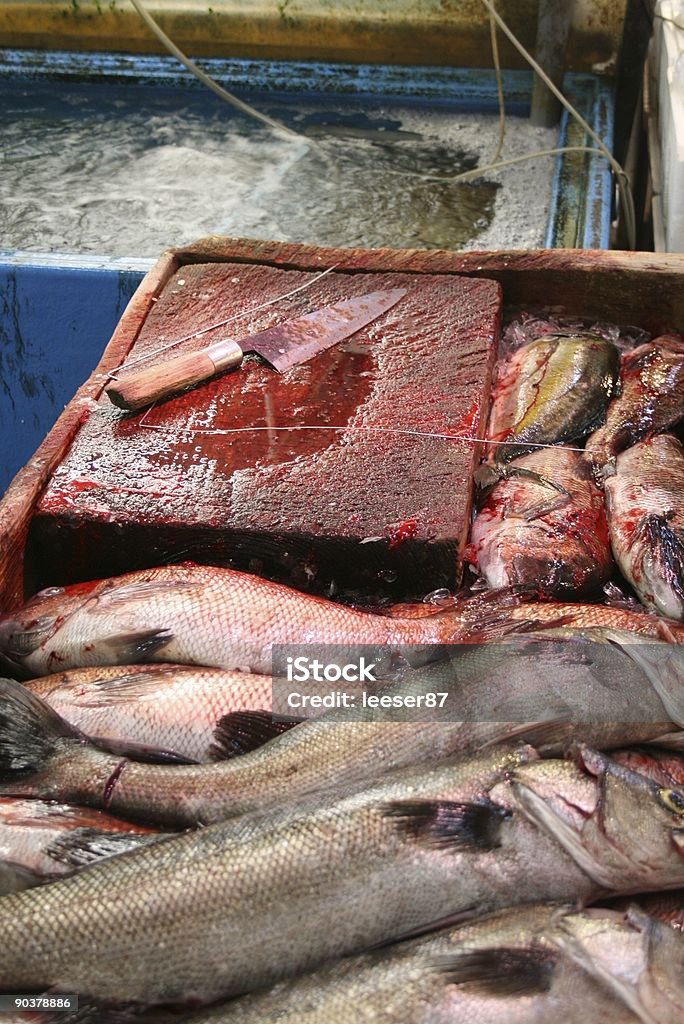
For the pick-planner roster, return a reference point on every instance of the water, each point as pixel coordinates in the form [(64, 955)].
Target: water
[(128, 171)]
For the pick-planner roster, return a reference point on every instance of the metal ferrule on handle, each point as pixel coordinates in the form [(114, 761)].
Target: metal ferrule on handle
[(224, 354)]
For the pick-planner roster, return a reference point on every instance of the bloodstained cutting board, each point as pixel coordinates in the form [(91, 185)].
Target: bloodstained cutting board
[(365, 495)]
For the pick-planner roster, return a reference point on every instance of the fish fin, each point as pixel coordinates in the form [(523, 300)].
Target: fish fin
[(140, 751), (663, 665), (500, 627), (24, 642), (110, 692), (446, 825), (504, 971), (668, 549), (29, 730), (116, 593), (541, 509), (537, 478), (241, 731), (84, 846), (133, 647)]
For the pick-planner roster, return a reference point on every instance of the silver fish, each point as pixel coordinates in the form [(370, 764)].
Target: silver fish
[(236, 906), (623, 829), (40, 841), (645, 506), (638, 958), (498, 970), (202, 615), (523, 966), (43, 756), (164, 712)]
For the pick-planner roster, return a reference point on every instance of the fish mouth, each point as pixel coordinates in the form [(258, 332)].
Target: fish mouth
[(562, 822)]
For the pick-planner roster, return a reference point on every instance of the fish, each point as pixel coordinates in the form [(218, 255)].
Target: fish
[(645, 508), (553, 390), (649, 400), (164, 712), (204, 615), (40, 841), (623, 829), (638, 958), (42, 756), (232, 907), (581, 618), (579, 685), (550, 693), (666, 767), (544, 524), (499, 969), (522, 966), (664, 906)]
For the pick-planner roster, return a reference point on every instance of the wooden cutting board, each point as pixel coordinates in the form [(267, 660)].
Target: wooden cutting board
[(350, 473)]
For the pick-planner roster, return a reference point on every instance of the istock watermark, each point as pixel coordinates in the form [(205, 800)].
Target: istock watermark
[(525, 680), (303, 669), (359, 682)]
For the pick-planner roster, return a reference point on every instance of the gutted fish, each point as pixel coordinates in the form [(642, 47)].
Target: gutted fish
[(40, 841), (544, 524), (645, 506), (553, 390), (233, 907), (650, 400), (202, 615), (164, 712)]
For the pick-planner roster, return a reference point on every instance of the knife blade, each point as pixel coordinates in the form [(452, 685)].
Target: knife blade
[(282, 346)]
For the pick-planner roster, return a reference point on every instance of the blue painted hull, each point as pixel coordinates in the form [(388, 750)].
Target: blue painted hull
[(55, 321)]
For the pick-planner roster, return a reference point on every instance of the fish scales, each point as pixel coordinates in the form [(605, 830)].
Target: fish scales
[(549, 692), (237, 906), (166, 711), (544, 524), (198, 615), (529, 965), (645, 504), (46, 759)]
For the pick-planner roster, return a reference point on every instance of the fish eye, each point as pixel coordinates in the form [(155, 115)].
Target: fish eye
[(50, 592), (673, 799)]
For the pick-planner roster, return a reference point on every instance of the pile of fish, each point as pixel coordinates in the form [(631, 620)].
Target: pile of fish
[(172, 850), (563, 518)]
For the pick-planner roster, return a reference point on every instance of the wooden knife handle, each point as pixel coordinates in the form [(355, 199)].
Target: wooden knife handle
[(136, 390)]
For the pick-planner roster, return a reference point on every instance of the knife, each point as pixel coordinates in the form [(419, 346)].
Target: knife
[(287, 344)]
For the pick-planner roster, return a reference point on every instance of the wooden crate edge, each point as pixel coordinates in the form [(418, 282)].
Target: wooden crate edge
[(25, 489)]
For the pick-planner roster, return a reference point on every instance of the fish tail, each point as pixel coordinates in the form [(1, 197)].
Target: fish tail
[(663, 666), (30, 731)]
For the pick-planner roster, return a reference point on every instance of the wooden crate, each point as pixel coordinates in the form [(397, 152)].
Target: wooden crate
[(637, 288)]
